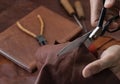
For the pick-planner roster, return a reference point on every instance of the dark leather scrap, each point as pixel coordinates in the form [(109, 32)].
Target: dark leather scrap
[(11, 74), (67, 69)]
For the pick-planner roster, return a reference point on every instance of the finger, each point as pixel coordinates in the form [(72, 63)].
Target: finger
[(109, 3), (95, 67), (107, 60), (95, 11)]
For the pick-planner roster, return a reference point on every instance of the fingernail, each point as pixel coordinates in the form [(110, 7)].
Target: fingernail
[(87, 74), (109, 3)]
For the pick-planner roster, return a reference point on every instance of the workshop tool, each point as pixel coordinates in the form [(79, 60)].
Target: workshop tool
[(74, 12), (40, 38), (93, 34), (97, 31), (80, 14)]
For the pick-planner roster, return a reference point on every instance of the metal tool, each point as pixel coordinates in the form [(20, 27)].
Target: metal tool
[(40, 37), (80, 13), (97, 31), (74, 44), (95, 34), (77, 12)]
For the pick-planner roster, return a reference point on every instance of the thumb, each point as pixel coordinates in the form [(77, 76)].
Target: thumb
[(95, 67), (109, 3)]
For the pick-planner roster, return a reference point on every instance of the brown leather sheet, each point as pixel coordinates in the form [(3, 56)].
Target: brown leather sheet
[(67, 69)]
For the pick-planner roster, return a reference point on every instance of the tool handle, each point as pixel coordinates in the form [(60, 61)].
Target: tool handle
[(79, 9), (67, 6), (102, 17)]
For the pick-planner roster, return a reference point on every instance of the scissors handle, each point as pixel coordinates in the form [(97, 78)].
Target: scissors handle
[(106, 26), (102, 16), (98, 30)]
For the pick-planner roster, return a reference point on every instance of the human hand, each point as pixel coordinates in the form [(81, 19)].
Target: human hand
[(113, 9), (110, 58)]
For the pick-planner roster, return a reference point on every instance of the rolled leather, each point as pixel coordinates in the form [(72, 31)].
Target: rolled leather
[(67, 69)]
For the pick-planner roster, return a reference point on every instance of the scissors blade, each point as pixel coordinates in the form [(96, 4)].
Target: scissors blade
[(74, 44)]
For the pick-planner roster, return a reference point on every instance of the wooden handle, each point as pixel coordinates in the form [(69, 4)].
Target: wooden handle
[(68, 7), (79, 9)]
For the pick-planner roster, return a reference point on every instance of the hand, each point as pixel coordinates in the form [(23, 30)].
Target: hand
[(110, 58), (113, 9)]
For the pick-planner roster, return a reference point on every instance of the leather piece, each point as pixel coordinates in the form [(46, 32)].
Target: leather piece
[(104, 42), (114, 35), (70, 36), (67, 69), (12, 74), (13, 10)]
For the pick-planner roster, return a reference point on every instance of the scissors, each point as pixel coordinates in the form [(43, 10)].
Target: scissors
[(93, 34)]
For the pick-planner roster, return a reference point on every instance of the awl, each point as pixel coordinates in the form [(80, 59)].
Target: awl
[(68, 7)]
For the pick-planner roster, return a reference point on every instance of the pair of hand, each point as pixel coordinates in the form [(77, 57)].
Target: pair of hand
[(110, 58)]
